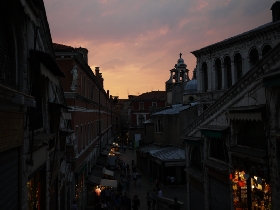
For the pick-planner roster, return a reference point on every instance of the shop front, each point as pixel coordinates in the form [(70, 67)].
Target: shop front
[(36, 191), (250, 185)]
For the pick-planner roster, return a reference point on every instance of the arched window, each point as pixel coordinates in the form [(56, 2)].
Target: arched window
[(266, 49), (228, 77), (238, 66), (253, 57), (204, 77), (196, 158), (218, 68)]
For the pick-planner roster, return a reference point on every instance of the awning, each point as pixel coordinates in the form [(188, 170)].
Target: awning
[(213, 131), (107, 172), (48, 61), (94, 179), (191, 140), (108, 183), (245, 116)]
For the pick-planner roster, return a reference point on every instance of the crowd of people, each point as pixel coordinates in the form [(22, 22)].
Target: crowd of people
[(119, 199)]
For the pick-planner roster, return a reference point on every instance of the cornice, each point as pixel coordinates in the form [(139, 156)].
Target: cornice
[(243, 38)]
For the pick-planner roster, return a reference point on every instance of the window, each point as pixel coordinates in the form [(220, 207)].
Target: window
[(117, 119), (154, 103), (196, 158), (204, 77), (7, 54), (140, 119), (266, 49), (227, 66), (141, 106), (253, 57), (159, 128), (238, 66), (250, 134), (218, 149), (218, 68)]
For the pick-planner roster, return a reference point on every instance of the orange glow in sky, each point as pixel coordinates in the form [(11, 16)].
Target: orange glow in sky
[(136, 43)]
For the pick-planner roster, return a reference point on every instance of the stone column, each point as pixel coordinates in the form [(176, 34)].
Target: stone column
[(224, 78), (233, 73)]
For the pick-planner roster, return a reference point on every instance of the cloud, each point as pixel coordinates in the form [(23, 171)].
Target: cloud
[(136, 43)]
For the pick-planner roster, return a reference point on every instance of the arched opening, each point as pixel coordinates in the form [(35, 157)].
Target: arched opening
[(204, 77), (266, 49), (238, 66), (253, 57), (227, 65), (218, 68)]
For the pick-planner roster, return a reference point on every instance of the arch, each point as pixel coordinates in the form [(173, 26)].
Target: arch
[(218, 68), (266, 48), (227, 69), (204, 69), (237, 66), (253, 57), (196, 158)]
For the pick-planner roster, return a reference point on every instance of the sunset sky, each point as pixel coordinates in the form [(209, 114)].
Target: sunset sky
[(135, 43)]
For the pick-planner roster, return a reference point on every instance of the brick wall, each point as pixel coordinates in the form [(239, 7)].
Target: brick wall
[(11, 129)]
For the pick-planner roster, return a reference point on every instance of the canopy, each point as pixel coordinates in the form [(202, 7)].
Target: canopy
[(108, 183), (107, 172)]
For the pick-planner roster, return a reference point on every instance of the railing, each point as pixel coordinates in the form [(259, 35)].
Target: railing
[(227, 98)]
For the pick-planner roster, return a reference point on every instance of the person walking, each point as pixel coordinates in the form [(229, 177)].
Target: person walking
[(149, 200), (74, 205), (154, 197), (135, 203)]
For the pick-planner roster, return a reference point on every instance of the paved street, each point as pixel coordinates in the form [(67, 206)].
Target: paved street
[(141, 190)]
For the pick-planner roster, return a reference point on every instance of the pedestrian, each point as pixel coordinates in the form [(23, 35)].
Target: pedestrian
[(74, 205), (159, 193), (172, 181), (134, 177), (157, 183), (133, 168), (135, 203), (154, 197), (139, 178), (149, 200), (176, 205)]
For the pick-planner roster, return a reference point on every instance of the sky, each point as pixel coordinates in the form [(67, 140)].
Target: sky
[(135, 43)]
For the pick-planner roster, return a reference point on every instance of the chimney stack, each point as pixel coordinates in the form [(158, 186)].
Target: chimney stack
[(275, 11)]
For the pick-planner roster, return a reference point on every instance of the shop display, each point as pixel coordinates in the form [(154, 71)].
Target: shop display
[(255, 187)]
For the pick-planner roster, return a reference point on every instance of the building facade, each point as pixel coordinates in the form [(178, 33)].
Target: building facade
[(91, 109), (231, 146)]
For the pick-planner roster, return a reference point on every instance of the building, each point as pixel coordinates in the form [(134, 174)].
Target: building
[(33, 112), (91, 109), (164, 155), (232, 147), (140, 111)]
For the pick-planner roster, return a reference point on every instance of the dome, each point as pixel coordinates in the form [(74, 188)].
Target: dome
[(191, 87), (180, 61)]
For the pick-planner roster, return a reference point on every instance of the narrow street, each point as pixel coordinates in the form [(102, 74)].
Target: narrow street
[(141, 190)]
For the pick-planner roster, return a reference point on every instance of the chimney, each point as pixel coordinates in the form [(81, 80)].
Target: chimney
[(83, 52), (275, 11), (108, 93), (99, 76)]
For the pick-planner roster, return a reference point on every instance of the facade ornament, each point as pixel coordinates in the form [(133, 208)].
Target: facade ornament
[(74, 73)]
